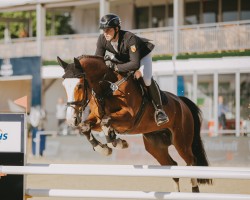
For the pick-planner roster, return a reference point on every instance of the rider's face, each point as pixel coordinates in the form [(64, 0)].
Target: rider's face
[(109, 33)]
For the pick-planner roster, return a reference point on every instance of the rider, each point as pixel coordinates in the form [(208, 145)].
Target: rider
[(134, 52)]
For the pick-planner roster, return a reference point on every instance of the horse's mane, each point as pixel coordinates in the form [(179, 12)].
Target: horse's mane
[(89, 56)]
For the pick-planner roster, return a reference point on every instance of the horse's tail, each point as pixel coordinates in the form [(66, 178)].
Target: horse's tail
[(197, 145)]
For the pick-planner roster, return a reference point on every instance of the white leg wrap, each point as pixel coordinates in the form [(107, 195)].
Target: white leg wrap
[(106, 151), (105, 128), (85, 127), (120, 144)]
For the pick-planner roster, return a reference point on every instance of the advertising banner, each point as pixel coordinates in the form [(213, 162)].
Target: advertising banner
[(10, 136), (12, 153)]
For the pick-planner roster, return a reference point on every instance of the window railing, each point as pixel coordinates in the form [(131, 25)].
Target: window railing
[(192, 39)]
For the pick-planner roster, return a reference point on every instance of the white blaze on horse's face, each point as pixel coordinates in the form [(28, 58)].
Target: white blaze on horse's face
[(69, 85)]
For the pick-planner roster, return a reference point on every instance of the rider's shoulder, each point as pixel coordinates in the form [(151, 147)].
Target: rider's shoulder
[(127, 35), (101, 39), (101, 36)]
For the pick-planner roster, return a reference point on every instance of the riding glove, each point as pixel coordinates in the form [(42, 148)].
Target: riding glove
[(113, 66)]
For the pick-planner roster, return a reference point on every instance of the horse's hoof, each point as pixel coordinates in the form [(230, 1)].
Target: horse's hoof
[(195, 189), (118, 144), (103, 150)]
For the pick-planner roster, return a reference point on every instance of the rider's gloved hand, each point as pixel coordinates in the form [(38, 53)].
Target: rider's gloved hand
[(113, 66), (107, 58)]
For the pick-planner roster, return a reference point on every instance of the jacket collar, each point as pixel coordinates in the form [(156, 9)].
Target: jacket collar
[(120, 42)]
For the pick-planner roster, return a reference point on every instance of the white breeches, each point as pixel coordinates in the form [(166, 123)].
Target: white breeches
[(146, 69)]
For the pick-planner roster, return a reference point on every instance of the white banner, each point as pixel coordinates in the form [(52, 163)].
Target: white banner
[(10, 136)]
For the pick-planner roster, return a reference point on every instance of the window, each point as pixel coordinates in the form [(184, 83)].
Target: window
[(170, 15), (245, 10), (210, 11), (158, 16), (226, 100), (205, 96), (229, 10), (142, 17), (192, 13), (244, 101)]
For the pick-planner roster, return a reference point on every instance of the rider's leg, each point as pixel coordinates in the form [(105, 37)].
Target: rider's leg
[(146, 69), (112, 140), (154, 92)]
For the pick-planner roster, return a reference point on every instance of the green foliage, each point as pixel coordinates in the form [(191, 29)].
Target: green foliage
[(18, 27), (162, 57), (169, 57), (1, 31), (15, 28), (214, 55), (62, 24), (204, 55)]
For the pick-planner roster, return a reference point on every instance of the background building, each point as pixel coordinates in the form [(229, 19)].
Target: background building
[(206, 28)]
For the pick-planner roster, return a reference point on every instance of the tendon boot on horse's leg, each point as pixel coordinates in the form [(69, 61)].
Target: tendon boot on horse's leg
[(97, 146), (115, 143), (112, 141), (160, 115)]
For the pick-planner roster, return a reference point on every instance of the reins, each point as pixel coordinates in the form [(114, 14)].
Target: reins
[(82, 103), (106, 92), (115, 86), (100, 99)]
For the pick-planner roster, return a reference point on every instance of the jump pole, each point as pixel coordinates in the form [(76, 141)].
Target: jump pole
[(129, 171), (100, 194)]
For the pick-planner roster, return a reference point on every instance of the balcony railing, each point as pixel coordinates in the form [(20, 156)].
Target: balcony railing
[(192, 39)]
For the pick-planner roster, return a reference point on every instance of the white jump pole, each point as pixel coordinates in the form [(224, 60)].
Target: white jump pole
[(132, 194), (128, 170)]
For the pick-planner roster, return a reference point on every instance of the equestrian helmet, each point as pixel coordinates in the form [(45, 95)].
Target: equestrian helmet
[(110, 21)]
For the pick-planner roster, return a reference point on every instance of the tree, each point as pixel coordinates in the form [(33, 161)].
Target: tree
[(18, 23)]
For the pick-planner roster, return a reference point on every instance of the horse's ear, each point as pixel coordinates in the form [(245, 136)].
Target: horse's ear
[(63, 64), (77, 64)]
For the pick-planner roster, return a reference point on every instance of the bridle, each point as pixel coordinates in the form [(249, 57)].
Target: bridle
[(79, 106), (82, 104)]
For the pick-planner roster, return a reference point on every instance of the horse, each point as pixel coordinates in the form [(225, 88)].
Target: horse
[(118, 104)]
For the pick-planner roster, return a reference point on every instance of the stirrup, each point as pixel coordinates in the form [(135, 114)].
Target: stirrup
[(161, 117)]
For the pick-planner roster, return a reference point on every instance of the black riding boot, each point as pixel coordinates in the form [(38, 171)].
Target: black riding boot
[(160, 115)]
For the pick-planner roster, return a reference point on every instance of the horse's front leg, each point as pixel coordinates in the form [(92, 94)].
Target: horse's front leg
[(111, 137), (97, 146)]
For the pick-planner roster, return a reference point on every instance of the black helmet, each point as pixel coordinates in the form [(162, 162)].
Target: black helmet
[(110, 21)]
